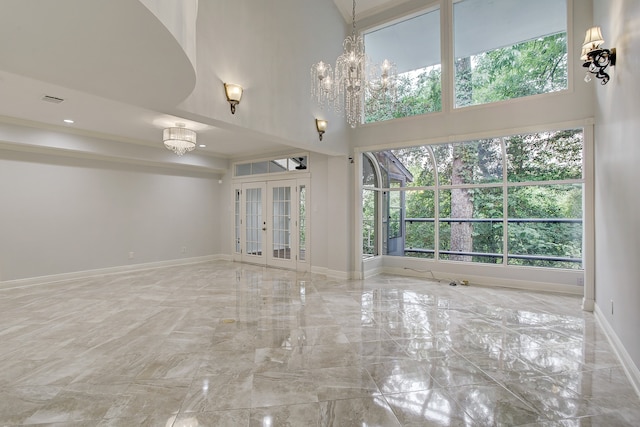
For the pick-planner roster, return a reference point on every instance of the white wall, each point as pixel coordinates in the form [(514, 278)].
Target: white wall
[(617, 176), (319, 208), (179, 16), (267, 47), (331, 215), (64, 214), (339, 214)]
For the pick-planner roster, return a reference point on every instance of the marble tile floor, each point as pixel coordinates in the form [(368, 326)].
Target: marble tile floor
[(228, 344)]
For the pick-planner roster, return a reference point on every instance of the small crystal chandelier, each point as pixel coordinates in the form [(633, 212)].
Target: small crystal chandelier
[(179, 139), (346, 87)]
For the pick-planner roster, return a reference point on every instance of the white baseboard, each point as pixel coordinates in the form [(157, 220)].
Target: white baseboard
[(334, 274), (374, 272), (632, 371), (319, 270), (41, 280), (588, 304)]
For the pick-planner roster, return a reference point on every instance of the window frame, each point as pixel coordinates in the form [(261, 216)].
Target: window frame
[(538, 278), (447, 59)]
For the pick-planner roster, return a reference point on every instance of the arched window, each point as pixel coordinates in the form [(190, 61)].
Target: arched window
[(370, 200)]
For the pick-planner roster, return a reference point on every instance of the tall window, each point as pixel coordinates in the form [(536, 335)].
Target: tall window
[(413, 44), (370, 190), (515, 200), (507, 49)]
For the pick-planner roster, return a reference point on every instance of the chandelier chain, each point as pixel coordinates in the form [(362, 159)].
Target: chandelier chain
[(353, 17)]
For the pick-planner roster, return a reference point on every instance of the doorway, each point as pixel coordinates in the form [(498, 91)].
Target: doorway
[(271, 223)]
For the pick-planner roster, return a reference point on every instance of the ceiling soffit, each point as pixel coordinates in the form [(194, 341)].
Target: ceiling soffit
[(125, 53)]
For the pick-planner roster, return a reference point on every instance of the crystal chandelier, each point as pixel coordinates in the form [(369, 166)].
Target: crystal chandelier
[(179, 139), (347, 87)]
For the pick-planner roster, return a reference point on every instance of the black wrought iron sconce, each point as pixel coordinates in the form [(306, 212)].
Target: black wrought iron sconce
[(321, 127), (596, 59)]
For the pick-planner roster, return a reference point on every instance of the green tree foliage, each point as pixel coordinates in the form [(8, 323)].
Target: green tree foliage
[(528, 68), (369, 200), (544, 156), (420, 228), (418, 92)]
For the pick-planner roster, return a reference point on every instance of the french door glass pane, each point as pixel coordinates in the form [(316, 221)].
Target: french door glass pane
[(303, 224), (253, 221), (281, 229), (237, 221)]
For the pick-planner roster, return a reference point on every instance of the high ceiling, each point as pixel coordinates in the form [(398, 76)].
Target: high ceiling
[(119, 73), (22, 99), (70, 49), (122, 75)]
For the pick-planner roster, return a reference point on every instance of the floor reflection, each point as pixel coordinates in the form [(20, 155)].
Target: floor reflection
[(229, 344)]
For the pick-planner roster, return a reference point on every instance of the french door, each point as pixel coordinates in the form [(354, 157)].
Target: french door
[(251, 225), (271, 223)]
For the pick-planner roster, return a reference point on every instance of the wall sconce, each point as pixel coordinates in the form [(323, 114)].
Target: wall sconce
[(321, 126), (596, 59), (234, 93), (179, 139)]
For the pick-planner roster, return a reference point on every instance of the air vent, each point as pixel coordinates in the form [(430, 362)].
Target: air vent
[(53, 99)]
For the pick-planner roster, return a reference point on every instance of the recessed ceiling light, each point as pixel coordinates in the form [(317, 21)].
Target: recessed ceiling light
[(202, 145), (68, 121)]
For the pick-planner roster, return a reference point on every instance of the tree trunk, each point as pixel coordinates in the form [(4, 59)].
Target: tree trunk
[(463, 83), (461, 206)]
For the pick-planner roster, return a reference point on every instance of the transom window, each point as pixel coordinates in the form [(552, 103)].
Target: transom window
[(290, 164), (414, 46), (502, 49), (507, 49)]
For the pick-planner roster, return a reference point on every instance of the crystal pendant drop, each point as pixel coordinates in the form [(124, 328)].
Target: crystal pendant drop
[(587, 78)]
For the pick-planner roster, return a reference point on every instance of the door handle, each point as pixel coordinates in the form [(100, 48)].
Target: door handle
[(264, 228)]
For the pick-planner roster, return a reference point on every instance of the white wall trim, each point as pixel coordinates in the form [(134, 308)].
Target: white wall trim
[(632, 371), (588, 304), (334, 274), (475, 280), (371, 266), (375, 271), (494, 133), (41, 280), (319, 270)]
